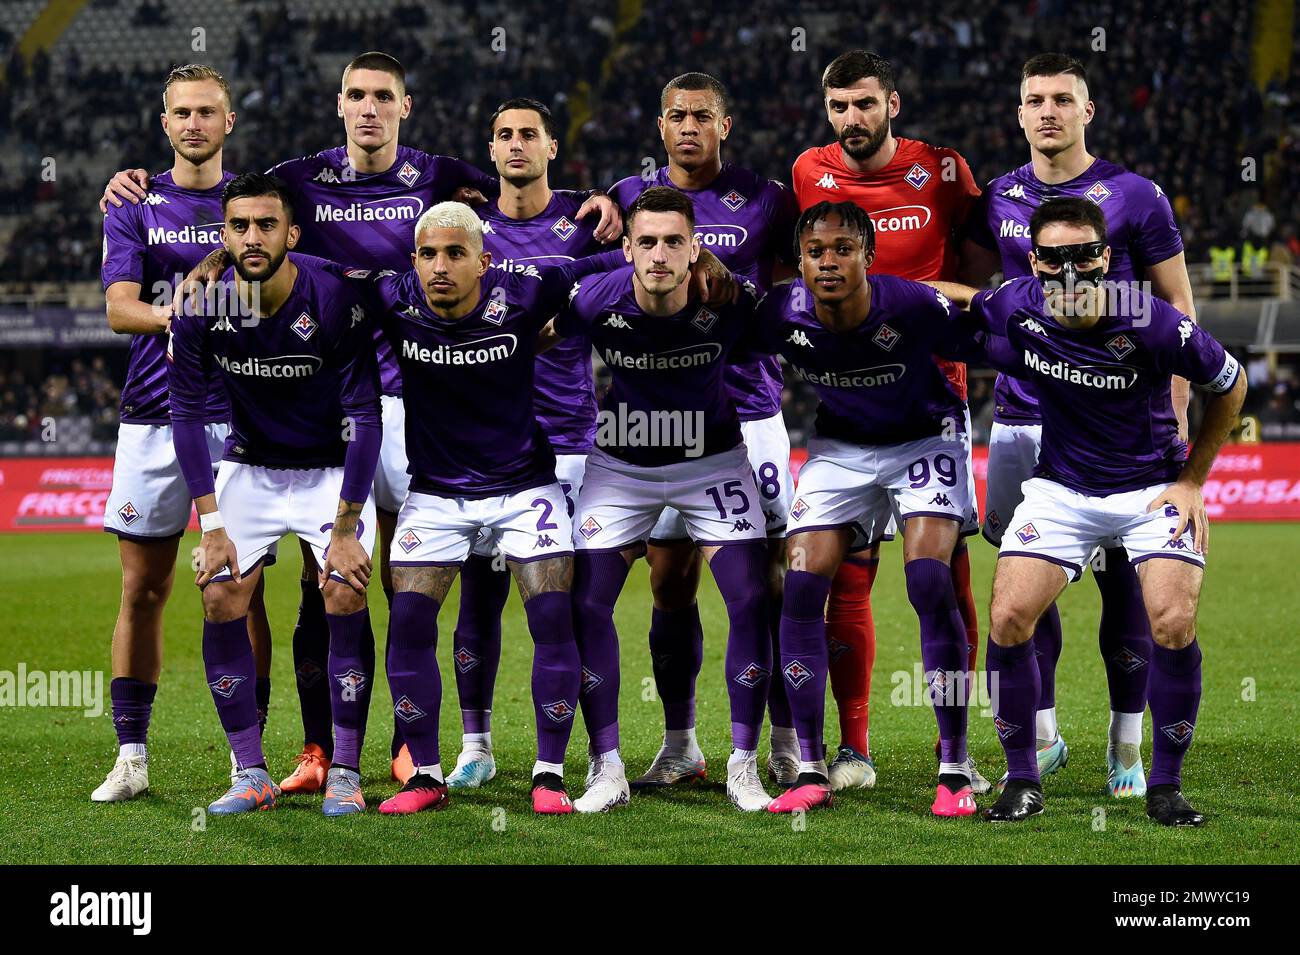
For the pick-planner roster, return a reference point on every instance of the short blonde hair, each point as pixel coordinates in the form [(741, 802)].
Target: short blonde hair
[(452, 215), (192, 73)]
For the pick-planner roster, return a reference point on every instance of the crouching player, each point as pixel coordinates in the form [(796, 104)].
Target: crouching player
[(888, 442), (299, 369), (1112, 469)]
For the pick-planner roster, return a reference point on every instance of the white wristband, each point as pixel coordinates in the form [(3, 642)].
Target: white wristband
[(211, 522)]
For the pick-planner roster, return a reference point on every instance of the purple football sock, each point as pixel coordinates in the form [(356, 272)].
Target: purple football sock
[(740, 571), (132, 707), (1047, 647), (943, 650), (1124, 635), (556, 672), (348, 681), (1175, 699), (676, 656), (311, 647), (232, 675), (804, 657), (263, 701), (778, 706), (476, 643), (368, 665), (1014, 686), (597, 580), (413, 676)]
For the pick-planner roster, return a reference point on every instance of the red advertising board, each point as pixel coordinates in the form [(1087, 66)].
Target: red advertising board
[(1249, 482)]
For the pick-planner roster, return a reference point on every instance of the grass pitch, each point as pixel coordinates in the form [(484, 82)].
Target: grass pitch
[(60, 600)]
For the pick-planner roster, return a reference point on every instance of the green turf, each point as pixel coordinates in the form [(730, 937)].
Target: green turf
[(60, 599)]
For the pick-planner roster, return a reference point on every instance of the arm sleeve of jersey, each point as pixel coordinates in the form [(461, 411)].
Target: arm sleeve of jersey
[(558, 280), (759, 336), (1187, 349), (467, 174), (987, 326), (796, 180), (123, 249), (571, 319), (625, 191), (359, 396), (188, 374), (785, 215), (977, 223), (1155, 234)]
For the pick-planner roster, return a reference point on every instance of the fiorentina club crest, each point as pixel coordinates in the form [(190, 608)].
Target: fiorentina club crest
[(917, 176), (1120, 346), (1098, 193), (495, 312), (1004, 728), (1127, 660), (1180, 732), (800, 508), (308, 672), (752, 675), (590, 680), (559, 711), (408, 541), (886, 338), (733, 200), (304, 326), (1027, 534), (408, 173), (836, 648), (225, 686), (128, 513), (406, 711), (353, 681), (564, 228), (704, 319), (465, 660), (589, 528), (797, 674)]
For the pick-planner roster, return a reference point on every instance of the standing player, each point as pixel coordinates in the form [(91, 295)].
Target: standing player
[(668, 436), (145, 248), (888, 444), (918, 196), (529, 227), (299, 369), (747, 221), (1112, 465), (357, 204), (1145, 244)]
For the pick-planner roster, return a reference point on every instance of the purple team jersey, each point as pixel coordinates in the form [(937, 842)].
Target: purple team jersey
[(565, 403), (1108, 422), (368, 219), (660, 365), (154, 243), (292, 377), (878, 383), (1140, 228), (748, 223)]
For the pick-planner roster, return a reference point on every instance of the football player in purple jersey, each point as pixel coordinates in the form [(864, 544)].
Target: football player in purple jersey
[(146, 247), (1054, 113)]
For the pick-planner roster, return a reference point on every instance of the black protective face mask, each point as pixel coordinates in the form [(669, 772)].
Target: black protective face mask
[(1068, 257)]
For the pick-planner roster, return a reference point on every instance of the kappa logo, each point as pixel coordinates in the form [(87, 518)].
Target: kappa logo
[(326, 175), (1120, 346), (1015, 192), (1098, 193), (411, 311), (741, 525), (495, 312), (409, 541), (836, 649), (1176, 543), (466, 659), (796, 674), (352, 680), (1032, 325), (941, 500), (1184, 331), (308, 673), (222, 324), (917, 176), (590, 528), (886, 338), (545, 540), (573, 292), (487, 228), (800, 338), (304, 326), (733, 200), (799, 509), (559, 711), (1127, 660), (128, 513), (704, 320), (827, 181), (408, 173), (406, 711), (358, 315), (752, 675), (225, 686), (155, 199), (1180, 732), (618, 321), (1027, 534), (1003, 727), (564, 228), (590, 680)]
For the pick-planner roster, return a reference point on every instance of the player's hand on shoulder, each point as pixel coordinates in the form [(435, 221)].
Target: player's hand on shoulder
[(1186, 497), (191, 289), (129, 184), (712, 282), (610, 226), (215, 552), (469, 195)]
